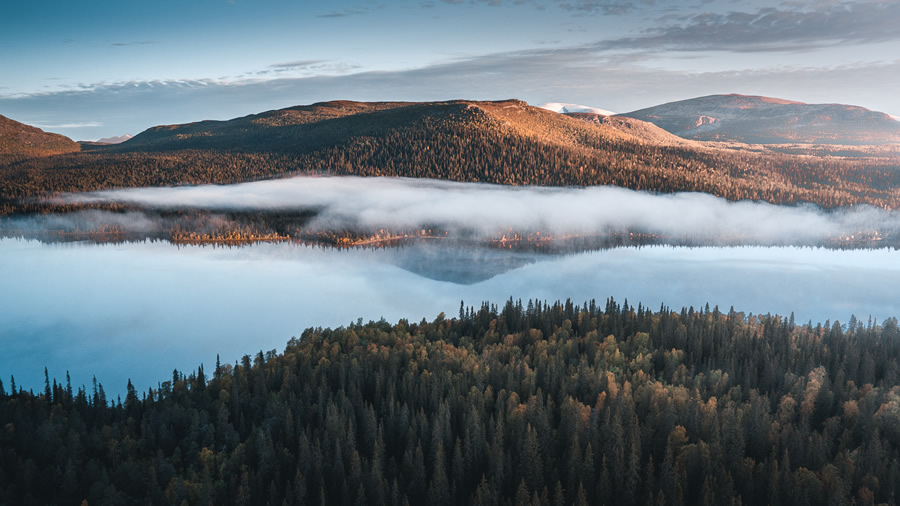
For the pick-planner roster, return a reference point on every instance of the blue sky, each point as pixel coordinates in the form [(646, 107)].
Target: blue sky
[(101, 68)]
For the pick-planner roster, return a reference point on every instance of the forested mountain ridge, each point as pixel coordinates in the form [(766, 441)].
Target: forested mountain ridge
[(767, 120), (504, 142), (325, 123), (19, 141), (532, 404)]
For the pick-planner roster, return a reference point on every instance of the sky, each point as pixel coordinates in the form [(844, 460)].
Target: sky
[(104, 68)]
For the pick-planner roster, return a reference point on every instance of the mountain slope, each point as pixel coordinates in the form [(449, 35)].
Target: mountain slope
[(765, 120), (310, 127), (18, 140), (644, 130), (503, 142)]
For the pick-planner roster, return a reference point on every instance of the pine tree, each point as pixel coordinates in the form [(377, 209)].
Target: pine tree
[(439, 488)]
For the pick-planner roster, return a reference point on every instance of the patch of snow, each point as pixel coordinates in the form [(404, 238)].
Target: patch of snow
[(115, 140), (564, 108)]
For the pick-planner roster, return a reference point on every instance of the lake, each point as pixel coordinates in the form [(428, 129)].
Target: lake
[(138, 310)]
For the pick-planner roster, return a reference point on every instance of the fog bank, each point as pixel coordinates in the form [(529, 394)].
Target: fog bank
[(487, 209)]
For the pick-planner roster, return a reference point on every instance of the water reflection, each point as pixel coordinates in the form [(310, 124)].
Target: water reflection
[(138, 310), (458, 264)]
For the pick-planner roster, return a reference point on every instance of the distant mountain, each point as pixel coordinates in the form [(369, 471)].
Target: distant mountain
[(563, 108), (765, 120), (114, 140), (18, 140)]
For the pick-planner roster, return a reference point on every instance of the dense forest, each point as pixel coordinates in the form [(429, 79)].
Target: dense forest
[(526, 404), (505, 142)]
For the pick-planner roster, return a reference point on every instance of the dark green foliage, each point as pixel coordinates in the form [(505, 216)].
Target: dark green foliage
[(533, 404)]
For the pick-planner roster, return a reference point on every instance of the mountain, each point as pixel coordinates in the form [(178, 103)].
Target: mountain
[(114, 140), (563, 108), (18, 140), (765, 120), (322, 124), (500, 142)]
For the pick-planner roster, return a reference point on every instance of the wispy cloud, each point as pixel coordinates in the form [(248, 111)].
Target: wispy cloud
[(492, 3), (615, 80), (790, 27), (297, 64), (300, 68), (608, 7), (88, 124), (134, 43), (342, 13)]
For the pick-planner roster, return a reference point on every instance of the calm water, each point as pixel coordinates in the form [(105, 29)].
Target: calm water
[(139, 310)]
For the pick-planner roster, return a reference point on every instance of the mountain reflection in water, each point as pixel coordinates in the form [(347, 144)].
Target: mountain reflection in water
[(139, 309)]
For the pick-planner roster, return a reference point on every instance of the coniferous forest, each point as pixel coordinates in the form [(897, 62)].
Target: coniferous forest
[(525, 404), (504, 142)]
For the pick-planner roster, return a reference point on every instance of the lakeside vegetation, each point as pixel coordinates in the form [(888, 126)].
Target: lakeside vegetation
[(117, 222), (526, 404), (530, 403)]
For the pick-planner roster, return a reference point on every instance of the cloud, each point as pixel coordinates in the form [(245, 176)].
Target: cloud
[(491, 3), (342, 13), (484, 210), (314, 67), (88, 124), (134, 43), (607, 7), (791, 27), (297, 64)]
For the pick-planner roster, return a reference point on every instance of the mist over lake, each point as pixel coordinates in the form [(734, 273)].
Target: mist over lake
[(488, 210), (138, 310)]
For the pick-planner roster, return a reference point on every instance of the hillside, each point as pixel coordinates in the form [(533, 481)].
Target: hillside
[(504, 142), (322, 124), (765, 120), (644, 130), (19, 141)]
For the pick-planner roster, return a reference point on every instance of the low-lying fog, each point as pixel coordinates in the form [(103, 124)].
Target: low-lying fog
[(488, 210), (139, 309)]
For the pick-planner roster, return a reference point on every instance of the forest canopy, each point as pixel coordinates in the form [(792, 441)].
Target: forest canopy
[(530, 403)]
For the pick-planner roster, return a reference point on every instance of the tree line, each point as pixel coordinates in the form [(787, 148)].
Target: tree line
[(459, 145), (528, 403)]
